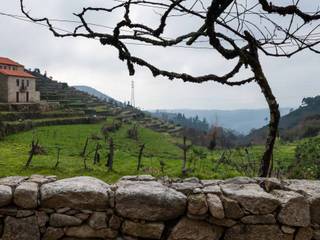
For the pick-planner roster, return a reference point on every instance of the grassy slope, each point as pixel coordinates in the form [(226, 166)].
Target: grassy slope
[(14, 153)]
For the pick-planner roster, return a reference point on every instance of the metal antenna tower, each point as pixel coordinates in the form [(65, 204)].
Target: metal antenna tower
[(133, 103)]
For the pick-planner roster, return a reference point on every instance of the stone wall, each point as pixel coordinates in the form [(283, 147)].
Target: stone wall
[(40, 207), (34, 96)]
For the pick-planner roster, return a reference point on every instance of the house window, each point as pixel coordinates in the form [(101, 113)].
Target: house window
[(4, 67), (0, 67), (18, 82), (27, 96), (27, 83), (17, 97), (15, 68), (22, 83)]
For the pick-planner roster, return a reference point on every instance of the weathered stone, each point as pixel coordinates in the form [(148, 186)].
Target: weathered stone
[(315, 209), (5, 195), (316, 235), (197, 217), (185, 187), (82, 216), (112, 199), (72, 212), (304, 187), (210, 182), (240, 180), (98, 220), (222, 222), (270, 184), (304, 234), (47, 210), (86, 211), (197, 191), (26, 195), (53, 233), (149, 201), (256, 232), (143, 230), (62, 220), (214, 189), (138, 178), (42, 230), (85, 231), (295, 209), (9, 211), (197, 204), (41, 179), (192, 180), (188, 229), (63, 210), (287, 229), (1, 226), (215, 206), (24, 213), (124, 237), (259, 219), (12, 181), (76, 193), (115, 222), (42, 218), (232, 208), (310, 189), (21, 229), (252, 197)]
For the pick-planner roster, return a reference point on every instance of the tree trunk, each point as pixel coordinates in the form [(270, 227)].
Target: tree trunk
[(265, 168), (96, 154), (140, 156), (58, 158), (32, 152), (83, 153), (110, 155), (184, 163)]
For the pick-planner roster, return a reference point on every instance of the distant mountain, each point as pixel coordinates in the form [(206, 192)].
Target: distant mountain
[(300, 123), (310, 107), (95, 93), (241, 121)]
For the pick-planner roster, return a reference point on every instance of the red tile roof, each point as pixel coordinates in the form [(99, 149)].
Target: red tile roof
[(8, 61), (16, 73)]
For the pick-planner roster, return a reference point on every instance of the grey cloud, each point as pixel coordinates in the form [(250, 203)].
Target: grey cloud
[(83, 61)]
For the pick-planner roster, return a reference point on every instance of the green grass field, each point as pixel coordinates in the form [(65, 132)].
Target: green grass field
[(159, 148)]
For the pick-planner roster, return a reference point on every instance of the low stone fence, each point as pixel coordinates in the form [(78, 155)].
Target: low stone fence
[(141, 207)]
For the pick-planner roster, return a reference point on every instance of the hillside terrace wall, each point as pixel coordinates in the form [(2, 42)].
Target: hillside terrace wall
[(141, 207)]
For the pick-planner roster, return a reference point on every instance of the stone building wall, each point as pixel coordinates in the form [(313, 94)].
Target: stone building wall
[(34, 96), (142, 207), (3, 89)]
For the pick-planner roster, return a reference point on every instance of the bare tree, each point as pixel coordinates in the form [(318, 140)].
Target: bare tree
[(58, 157), (239, 30), (84, 150), (110, 156), (185, 148), (142, 146), (32, 152)]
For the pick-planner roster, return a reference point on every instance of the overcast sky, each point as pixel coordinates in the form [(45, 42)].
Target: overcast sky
[(85, 62)]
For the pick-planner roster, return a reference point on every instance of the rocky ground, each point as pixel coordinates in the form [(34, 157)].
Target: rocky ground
[(142, 207)]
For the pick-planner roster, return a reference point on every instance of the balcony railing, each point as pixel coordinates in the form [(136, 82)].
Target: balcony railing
[(23, 89)]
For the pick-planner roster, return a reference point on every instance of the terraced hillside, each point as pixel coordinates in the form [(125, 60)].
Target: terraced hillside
[(71, 98), (76, 107)]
